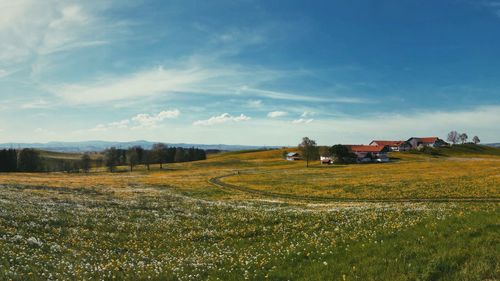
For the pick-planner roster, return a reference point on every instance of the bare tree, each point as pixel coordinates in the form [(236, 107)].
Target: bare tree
[(147, 158), (463, 138), (476, 140), (309, 150), (453, 137), (134, 155)]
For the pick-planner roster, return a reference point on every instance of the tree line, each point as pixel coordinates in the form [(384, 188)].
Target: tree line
[(30, 160), (158, 154), (25, 160)]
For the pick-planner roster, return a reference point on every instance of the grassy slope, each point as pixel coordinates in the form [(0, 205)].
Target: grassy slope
[(460, 247), (468, 149), (410, 175)]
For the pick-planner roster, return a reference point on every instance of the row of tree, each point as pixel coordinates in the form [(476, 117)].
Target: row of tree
[(29, 160), (159, 154), (454, 137)]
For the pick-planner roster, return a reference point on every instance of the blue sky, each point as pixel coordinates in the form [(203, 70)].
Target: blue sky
[(248, 72)]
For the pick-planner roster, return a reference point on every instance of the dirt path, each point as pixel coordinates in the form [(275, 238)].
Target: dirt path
[(217, 182)]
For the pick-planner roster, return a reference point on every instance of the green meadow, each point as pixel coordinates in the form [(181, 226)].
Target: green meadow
[(420, 217)]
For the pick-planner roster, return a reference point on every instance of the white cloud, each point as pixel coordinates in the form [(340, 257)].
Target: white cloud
[(302, 121), (276, 114), (142, 120), (123, 124), (223, 118), (147, 120)]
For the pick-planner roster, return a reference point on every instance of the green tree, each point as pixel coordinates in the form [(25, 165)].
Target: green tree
[(476, 140), (180, 155), (340, 153), (8, 160), (29, 160), (160, 153), (111, 158), (309, 150), (85, 162)]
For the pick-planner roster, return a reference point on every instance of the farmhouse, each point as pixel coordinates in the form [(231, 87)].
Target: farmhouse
[(369, 153), (293, 156), (415, 142), (393, 145)]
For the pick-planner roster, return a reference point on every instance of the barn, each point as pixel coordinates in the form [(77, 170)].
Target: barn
[(370, 153), (415, 142), (393, 145)]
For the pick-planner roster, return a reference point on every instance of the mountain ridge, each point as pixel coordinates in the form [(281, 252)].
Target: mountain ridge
[(98, 145)]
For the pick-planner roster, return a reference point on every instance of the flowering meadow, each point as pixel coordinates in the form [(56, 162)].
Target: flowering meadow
[(175, 225)]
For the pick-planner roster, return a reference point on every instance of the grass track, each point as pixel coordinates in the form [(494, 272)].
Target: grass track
[(217, 182)]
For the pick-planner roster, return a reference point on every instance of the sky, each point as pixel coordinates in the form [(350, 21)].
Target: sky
[(248, 72)]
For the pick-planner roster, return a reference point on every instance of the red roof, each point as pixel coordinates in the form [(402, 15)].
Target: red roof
[(366, 148), (389, 143), (428, 139)]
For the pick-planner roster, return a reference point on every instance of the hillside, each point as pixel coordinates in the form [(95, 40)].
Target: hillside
[(464, 149)]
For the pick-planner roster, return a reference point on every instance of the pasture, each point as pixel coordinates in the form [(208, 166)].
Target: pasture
[(419, 217)]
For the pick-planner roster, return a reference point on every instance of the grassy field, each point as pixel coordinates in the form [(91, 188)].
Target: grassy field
[(173, 224)]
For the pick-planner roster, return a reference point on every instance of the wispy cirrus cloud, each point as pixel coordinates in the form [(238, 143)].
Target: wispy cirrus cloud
[(197, 79), (29, 28), (221, 119), (141, 84)]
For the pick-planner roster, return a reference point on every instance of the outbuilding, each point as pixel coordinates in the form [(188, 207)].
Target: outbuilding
[(293, 156)]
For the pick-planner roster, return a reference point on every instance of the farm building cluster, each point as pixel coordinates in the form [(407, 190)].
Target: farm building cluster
[(377, 150)]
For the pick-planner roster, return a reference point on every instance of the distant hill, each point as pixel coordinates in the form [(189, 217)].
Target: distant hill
[(101, 145), (493, 144)]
